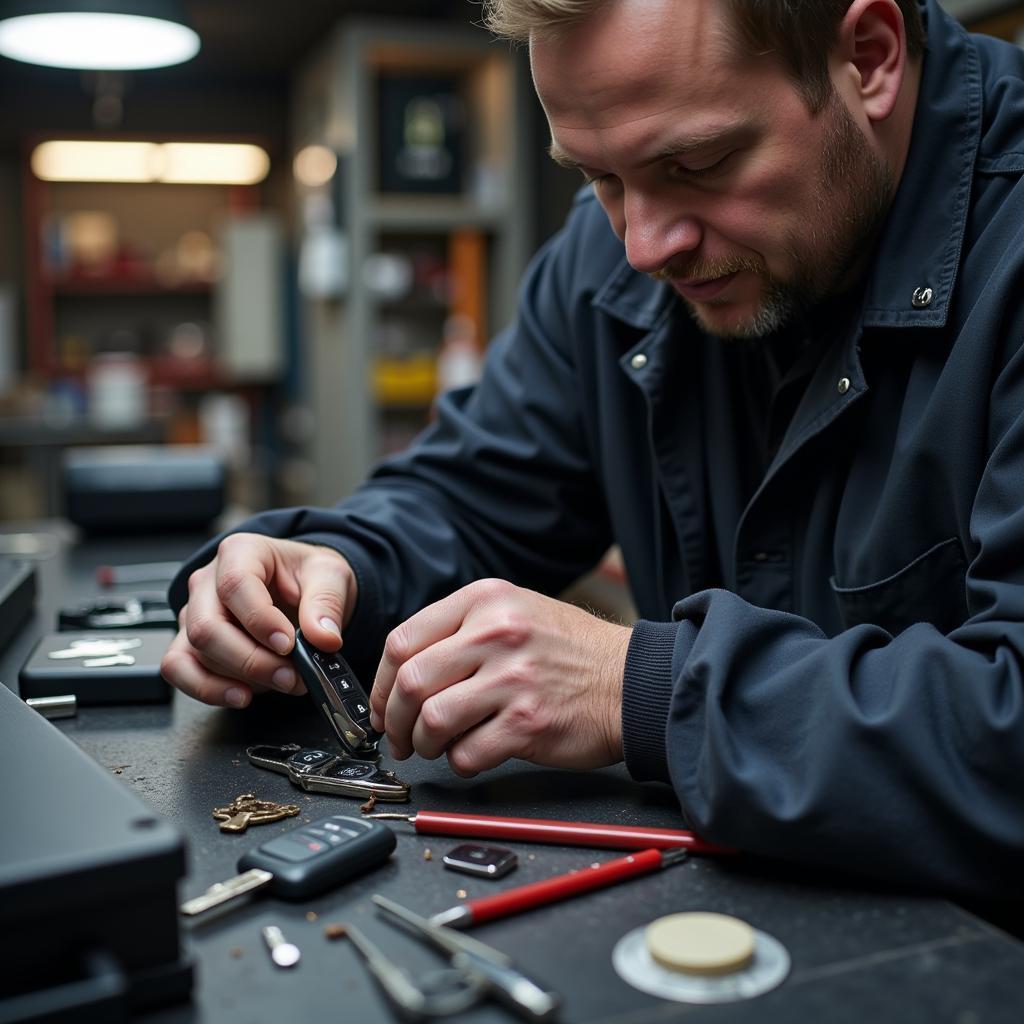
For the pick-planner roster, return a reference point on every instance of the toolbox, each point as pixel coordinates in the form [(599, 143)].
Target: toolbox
[(88, 879)]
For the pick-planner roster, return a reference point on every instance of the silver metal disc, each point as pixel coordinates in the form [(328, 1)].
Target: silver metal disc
[(634, 965)]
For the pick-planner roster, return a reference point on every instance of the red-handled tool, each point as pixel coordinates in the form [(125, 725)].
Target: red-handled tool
[(567, 833), (537, 894)]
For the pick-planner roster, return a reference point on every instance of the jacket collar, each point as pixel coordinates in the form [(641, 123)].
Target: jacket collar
[(918, 257)]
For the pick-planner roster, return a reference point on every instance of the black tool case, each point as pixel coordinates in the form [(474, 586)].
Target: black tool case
[(88, 879)]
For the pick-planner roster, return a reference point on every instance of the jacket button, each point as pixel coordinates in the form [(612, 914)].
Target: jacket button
[(639, 361), (922, 298), (843, 385)]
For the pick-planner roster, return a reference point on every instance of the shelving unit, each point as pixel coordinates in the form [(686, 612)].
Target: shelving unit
[(371, 358), (187, 323)]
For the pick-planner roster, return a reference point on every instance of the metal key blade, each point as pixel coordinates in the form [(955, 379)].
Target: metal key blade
[(221, 892)]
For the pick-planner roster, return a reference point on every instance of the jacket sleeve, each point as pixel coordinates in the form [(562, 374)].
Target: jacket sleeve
[(900, 756), (501, 484)]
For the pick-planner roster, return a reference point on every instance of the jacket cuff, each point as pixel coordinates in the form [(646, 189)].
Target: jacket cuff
[(646, 696)]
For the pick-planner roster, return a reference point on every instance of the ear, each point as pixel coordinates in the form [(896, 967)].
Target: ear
[(872, 51)]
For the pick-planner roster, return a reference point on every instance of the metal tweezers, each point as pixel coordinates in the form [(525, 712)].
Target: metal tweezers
[(477, 972)]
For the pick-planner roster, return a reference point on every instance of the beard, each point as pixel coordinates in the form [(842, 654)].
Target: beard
[(851, 201)]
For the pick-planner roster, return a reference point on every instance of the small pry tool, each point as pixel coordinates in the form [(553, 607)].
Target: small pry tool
[(498, 975)]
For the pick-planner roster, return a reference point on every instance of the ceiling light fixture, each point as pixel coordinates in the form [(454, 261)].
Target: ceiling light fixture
[(105, 35), (176, 163)]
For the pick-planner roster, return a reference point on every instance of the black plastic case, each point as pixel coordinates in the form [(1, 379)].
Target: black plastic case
[(139, 683), (88, 909)]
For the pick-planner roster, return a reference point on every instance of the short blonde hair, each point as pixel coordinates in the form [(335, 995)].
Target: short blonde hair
[(799, 32), (517, 19)]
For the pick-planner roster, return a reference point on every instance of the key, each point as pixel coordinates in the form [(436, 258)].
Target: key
[(308, 860), (339, 695), (246, 810)]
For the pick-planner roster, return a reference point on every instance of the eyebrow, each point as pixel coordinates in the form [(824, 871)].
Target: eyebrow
[(676, 147)]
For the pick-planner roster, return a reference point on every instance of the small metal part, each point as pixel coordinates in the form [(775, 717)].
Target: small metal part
[(104, 648), (63, 706), (247, 810), (221, 892), (635, 965), (481, 861), (282, 952)]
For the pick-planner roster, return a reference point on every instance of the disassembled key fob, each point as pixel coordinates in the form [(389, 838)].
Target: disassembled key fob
[(337, 692), (320, 771)]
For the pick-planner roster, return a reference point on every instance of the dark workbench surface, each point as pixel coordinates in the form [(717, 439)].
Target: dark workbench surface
[(859, 953)]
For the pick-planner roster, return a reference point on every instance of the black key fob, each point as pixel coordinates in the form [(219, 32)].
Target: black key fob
[(339, 696), (320, 771)]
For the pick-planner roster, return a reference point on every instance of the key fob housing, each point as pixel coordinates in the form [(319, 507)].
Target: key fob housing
[(339, 696), (313, 858), (320, 771)]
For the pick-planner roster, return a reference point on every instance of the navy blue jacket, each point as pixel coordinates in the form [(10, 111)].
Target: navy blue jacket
[(830, 670)]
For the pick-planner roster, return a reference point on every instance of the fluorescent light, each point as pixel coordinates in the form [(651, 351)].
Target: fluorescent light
[(95, 161), (179, 163), (102, 42), (213, 163)]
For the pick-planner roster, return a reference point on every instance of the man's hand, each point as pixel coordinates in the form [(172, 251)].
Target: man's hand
[(494, 671), (237, 627)]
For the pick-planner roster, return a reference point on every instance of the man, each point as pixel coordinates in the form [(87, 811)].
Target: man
[(775, 356)]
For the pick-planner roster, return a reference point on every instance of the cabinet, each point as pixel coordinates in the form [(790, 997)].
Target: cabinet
[(430, 207)]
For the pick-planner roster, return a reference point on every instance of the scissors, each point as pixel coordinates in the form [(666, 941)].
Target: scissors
[(476, 972)]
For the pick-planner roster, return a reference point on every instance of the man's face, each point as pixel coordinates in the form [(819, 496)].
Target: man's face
[(711, 168)]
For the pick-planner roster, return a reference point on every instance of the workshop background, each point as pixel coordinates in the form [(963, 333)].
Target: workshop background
[(294, 303)]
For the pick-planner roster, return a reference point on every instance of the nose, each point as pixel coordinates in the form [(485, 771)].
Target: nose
[(654, 234)]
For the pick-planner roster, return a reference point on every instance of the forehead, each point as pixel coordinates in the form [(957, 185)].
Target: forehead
[(637, 63)]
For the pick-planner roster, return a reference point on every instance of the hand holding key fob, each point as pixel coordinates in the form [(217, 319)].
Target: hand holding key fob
[(338, 694)]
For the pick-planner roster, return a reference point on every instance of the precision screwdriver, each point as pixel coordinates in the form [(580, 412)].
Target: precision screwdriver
[(550, 890), (539, 830)]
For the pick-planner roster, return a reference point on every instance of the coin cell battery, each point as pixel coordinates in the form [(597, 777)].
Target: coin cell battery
[(701, 958)]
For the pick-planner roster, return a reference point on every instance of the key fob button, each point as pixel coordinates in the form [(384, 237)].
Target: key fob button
[(291, 848), (357, 708), (342, 684), (306, 760)]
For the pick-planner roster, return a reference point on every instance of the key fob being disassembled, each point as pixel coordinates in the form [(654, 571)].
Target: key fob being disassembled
[(320, 771), (338, 694)]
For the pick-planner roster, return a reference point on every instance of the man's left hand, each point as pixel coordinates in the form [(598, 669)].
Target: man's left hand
[(495, 671)]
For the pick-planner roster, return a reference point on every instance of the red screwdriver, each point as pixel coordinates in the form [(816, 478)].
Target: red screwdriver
[(539, 830), (550, 890)]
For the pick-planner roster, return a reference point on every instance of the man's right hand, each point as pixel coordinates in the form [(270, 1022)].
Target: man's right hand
[(237, 628)]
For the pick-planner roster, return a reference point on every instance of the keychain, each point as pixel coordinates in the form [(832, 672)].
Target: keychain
[(320, 771)]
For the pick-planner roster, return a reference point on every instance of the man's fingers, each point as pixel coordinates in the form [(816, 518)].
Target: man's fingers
[(228, 651), (424, 629), (327, 597), (449, 714), (242, 571), (418, 680), (182, 669)]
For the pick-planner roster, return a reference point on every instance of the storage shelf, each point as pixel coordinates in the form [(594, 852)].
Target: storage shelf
[(433, 213), (111, 285)]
